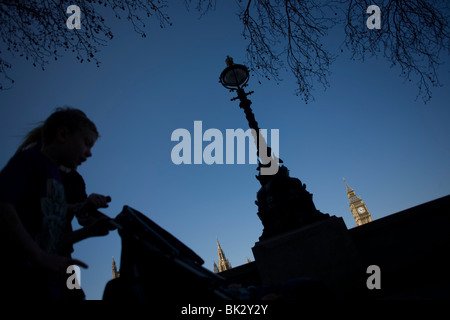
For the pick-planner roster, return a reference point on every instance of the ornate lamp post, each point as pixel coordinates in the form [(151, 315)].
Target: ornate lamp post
[(283, 202), (235, 77)]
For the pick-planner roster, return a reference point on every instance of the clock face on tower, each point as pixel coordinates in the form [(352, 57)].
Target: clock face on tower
[(361, 210)]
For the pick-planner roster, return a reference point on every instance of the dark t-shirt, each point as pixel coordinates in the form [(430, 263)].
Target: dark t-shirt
[(74, 186), (32, 184), (75, 191)]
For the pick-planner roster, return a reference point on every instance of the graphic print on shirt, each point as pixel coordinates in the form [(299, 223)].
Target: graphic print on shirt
[(53, 207)]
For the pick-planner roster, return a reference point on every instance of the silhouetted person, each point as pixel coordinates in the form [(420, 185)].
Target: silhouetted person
[(33, 208)]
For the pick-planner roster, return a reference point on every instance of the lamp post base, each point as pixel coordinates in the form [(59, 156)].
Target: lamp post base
[(284, 204)]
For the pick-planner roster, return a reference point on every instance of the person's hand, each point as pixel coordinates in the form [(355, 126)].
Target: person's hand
[(97, 201), (100, 227)]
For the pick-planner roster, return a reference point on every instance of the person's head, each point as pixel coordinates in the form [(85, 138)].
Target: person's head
[(70, 135)]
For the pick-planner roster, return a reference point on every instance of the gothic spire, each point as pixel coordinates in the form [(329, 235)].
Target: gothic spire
[(216, 270), (115, 272), (224, 264), (351, 194), (348, 188)]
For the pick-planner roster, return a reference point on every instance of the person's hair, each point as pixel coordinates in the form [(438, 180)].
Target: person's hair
[(71, 118), (33, 138)]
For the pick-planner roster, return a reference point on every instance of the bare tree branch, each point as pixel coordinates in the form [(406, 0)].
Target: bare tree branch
[(202, 6), (281, 34), (36, 29), (288, 34), (412, 36)]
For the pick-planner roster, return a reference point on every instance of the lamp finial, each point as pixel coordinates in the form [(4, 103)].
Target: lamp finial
[(229, 61)]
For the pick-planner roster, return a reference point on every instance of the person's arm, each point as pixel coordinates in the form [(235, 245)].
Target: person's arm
[(99, 227), (17, 233), (86, 211)]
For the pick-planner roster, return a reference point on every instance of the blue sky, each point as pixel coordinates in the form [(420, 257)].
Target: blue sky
[(393, 150)]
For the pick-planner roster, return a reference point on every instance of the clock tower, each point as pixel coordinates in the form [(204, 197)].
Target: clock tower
[(357, 207)]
